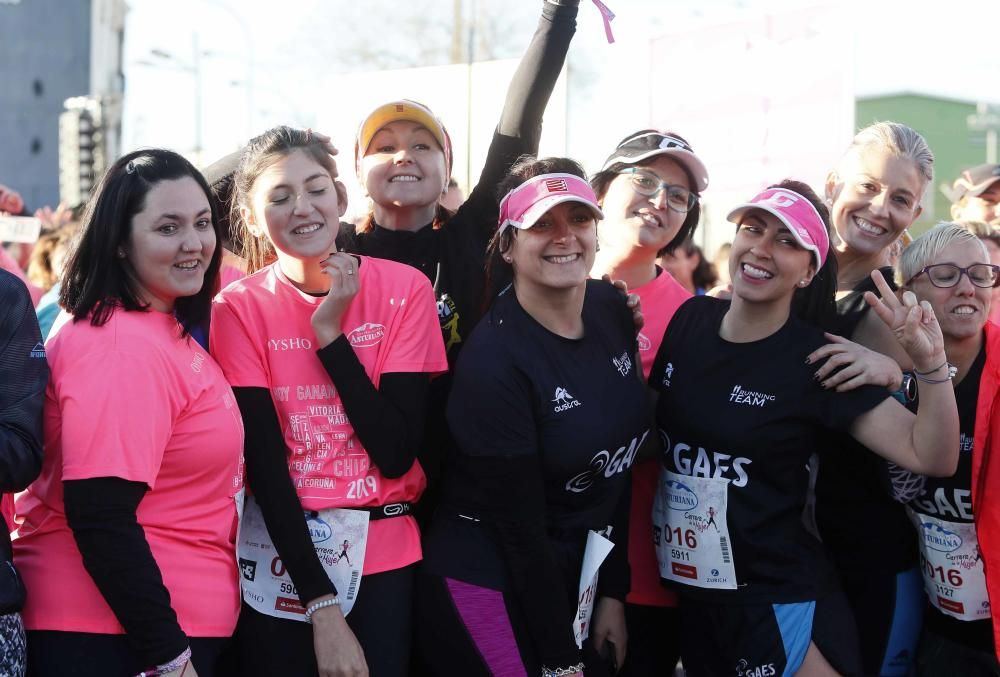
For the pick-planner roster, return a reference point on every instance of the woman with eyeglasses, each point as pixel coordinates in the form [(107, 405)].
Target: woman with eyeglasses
[(955, 518), (648, 189), (740, 413)]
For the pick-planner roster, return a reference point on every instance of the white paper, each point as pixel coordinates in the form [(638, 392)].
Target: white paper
[(19, 229), (594, 555)]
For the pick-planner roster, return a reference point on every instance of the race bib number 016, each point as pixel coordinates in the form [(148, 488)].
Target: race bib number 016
[(690, 532), (339, 536), (952, 567)]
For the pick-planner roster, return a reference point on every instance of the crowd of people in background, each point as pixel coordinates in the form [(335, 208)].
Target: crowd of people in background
[(534, 430)]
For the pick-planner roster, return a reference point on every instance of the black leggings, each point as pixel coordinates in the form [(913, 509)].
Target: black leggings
[(53, 653), (381, 620), (654, 641)]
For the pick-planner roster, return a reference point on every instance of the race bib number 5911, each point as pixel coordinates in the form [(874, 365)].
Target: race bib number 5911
[(690, 532)]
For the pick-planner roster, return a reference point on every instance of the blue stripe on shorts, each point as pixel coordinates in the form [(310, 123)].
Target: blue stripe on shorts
[(795, 622)]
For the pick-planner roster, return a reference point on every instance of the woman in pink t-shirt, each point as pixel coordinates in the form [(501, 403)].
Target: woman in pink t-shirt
[(126, 540), (649, 190), (330, 357)]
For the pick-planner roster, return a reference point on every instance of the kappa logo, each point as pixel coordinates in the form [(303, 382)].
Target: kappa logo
[(38, 351), (367, 335), (564, 400), (668, 373), (623, 363)]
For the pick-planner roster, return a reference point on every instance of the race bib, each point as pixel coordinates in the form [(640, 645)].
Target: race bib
[(952, 567), (690, 532), (594, 555), (339, 536)]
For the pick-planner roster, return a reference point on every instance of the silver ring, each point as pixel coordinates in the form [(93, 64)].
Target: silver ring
[(350, 271)]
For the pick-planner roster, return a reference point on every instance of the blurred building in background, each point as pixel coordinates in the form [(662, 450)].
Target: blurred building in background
[(51, 51)]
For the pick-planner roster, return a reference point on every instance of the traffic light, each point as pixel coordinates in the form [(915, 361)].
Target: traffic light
[(81, 149)]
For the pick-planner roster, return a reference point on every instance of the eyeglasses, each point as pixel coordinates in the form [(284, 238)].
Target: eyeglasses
[(679, 198), (946, 275)]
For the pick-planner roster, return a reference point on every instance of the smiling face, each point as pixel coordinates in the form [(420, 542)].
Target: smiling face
[(296, 205), (875, 197), (961, 310), (557, 252), (404, 166), (170, 243), (634, 220), (766, 262)]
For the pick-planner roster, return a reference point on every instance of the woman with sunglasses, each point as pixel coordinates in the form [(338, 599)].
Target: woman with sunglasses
[(955, 519), (740, 414), (874, 195), (648, 189)]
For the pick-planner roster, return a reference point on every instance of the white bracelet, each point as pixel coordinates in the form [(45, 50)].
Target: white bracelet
[(316, 606), (562, 672)]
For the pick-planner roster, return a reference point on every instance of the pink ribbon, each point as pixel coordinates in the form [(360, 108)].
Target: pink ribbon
[(608, 17)]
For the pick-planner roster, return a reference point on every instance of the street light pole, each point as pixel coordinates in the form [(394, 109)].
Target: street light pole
[(196, 70)]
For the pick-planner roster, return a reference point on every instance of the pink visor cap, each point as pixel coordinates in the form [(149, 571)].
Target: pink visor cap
[(523, 206), (797, 213)]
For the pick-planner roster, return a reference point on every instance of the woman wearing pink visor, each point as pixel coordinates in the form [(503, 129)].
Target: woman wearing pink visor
[(740, 413), (548, 412)]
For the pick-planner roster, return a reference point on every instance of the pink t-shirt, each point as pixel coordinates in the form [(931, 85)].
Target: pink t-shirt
[(132, 399), (262, 337), (660, 300)]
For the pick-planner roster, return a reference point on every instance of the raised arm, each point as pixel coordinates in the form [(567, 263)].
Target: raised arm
[(928, 442), (528, 94)]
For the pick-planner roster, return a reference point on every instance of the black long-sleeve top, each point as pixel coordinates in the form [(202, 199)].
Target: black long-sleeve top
[(546, 429), (452, 255)]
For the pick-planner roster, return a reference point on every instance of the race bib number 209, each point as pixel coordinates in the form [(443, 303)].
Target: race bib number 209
[(690, 532)]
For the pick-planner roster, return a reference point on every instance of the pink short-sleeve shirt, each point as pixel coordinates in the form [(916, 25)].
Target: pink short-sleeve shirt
[(262, 337), (660, 299), (133, 399)]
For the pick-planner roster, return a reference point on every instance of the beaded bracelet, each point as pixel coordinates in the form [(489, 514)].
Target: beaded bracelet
[(167, 668), (316, 606), (563, 672)]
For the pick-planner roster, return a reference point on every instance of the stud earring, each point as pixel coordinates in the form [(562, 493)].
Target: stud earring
[(507, 259), (803, 283), (121, 253)]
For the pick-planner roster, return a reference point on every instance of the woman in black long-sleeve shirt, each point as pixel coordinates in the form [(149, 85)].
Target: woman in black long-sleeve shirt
[(548, 413), (409, 226)]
